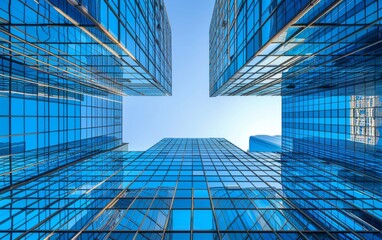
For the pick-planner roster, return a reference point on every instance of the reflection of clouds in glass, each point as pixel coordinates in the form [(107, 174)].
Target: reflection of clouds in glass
[(364, 119)]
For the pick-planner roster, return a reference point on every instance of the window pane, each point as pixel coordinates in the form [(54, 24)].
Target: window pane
[(180, 220), (203, 220)]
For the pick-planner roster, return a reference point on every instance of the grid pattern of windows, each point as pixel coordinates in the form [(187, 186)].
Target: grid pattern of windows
[(77, 43), (139, 34), (199, 189), (341, 124), (286, 47), (64, 67), (325, 63), (43, 128)]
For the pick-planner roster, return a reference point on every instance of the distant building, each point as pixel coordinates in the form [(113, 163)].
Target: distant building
[(265, 143)]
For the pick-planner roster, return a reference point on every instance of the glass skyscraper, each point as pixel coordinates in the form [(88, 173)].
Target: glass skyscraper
[(195, 189), (65, 173), (65, 66), (324, 59), (287, 47)]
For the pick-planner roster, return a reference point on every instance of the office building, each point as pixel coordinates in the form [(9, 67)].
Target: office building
[(65, 173), (264, 143), (195, 188), (287, 47), (65, 66), (323, 58)]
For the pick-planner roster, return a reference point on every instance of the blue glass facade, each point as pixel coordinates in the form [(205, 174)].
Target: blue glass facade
[(195, 188), (136, 35), (64, 67), (65, 173), (264, 143), (325, 63), (341, 124), (278, 47)]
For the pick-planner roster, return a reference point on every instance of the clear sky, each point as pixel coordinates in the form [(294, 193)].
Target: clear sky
[(190, 112)]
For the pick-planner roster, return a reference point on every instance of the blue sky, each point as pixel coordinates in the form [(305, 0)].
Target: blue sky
[(190, 112)]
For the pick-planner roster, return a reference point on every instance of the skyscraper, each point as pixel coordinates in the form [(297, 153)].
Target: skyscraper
[(323, 58), (194, 188), (65, 66), (293, 47), (65, 173)]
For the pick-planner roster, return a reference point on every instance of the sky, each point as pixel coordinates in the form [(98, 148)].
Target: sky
[(190, 112)]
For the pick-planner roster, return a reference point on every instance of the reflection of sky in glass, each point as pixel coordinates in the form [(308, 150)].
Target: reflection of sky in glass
[(203, 220), (287, 193), (180, 220)]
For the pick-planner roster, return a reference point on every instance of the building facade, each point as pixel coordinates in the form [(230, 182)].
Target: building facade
[(65, 66), (288, 47), (264, 143), (195, 189), (323, 58), (65, 173)]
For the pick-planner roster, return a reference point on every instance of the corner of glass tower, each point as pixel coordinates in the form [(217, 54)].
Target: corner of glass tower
[(288, 47), (322, 57), (66, 174), (65, 66)]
